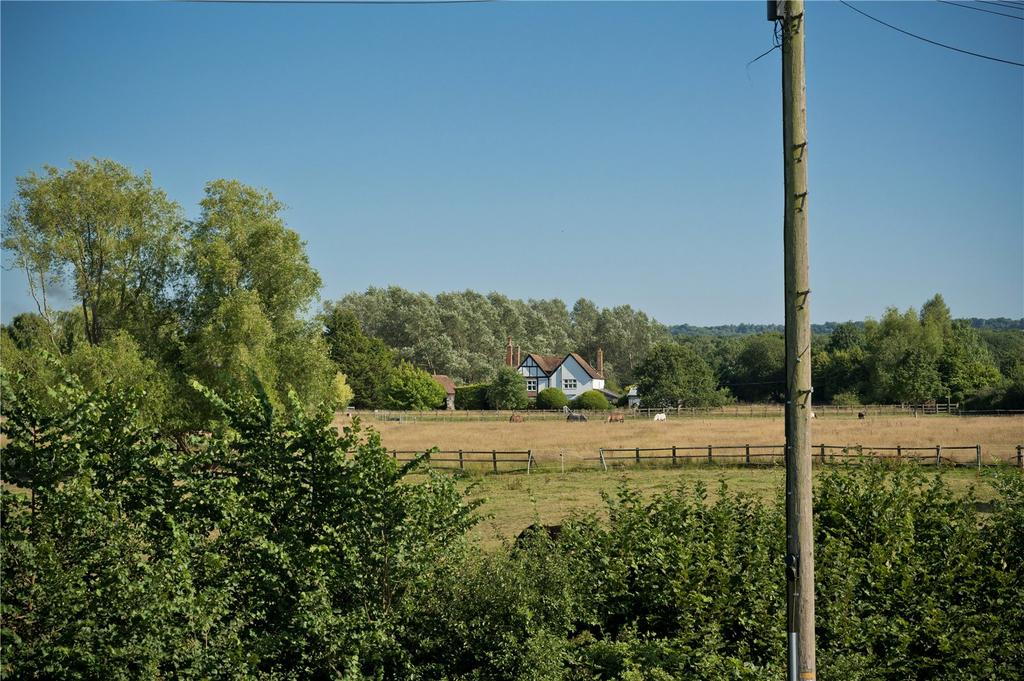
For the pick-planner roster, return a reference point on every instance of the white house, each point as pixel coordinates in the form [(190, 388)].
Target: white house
[(572, 374)]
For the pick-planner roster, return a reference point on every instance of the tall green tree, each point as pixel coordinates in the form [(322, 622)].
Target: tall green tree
[(367, 363), (413, 388), (106, 233), (250, 284), (674, 375), (507, 390)]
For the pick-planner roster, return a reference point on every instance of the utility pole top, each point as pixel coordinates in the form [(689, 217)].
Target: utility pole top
[(776, 10)]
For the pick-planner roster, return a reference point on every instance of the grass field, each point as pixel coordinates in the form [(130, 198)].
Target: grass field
[(552, 441)]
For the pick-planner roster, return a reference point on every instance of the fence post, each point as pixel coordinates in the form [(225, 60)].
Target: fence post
[(748, 454), (823, 454), (529, 460), (462, 461), (899, 452), (674, 454), (494, 458), (977, 456), (709, 454), (938, 455), (1020, 456), (638, 455), (604, 464)]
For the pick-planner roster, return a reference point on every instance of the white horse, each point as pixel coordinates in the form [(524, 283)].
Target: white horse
[(660, 417)]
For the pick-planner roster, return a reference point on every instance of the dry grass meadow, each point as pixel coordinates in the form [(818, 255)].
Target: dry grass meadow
[(578, 443), (514, 501)]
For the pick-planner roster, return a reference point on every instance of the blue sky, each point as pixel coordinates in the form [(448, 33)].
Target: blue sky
[(618, 151)]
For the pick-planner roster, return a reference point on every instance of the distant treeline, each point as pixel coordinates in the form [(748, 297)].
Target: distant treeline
[(995, 324), (230, 300)]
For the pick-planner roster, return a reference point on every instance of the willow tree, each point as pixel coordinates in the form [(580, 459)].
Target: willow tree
[(104, 233)]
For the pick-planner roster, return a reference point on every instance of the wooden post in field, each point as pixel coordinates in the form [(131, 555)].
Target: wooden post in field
[(748, 454), (938, 455), (462, 461), (801, 664), (977, 456), (823, 454), (604, 464), (638, 455), (674, 454), (529, 460), (1020, 456), (709, 455), (494, 458)]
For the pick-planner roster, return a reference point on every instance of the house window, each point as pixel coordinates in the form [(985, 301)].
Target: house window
[(568, 383), (531, 385)]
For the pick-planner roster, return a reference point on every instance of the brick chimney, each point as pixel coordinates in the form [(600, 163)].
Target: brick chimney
[(518, 361), (600, 361), (508, 352)]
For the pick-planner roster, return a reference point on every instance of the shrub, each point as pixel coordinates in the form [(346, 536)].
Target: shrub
[(413, 388), (848, 399), (592, 399), (283, 550), (551, 398), (471, 396), (507, 390)]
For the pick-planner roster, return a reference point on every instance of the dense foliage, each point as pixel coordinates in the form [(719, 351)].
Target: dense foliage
[(591, 399), (471, 396), (412, 388), (463, 334), (906, 357), (507, 390), (675, 375), (279, 549), (551, 398)]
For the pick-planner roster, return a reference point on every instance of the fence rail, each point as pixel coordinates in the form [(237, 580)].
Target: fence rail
[(464, 457), (822, 454), (734, 410)]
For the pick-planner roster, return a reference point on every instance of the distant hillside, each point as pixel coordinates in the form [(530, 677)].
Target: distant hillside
[(996, 324)]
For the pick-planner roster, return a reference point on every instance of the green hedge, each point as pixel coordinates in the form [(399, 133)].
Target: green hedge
[(551, 398), (471, 396), (592, 399)]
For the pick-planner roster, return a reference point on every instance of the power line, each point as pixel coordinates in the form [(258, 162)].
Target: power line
[(1011, 5), (981, 9), (930, 41)]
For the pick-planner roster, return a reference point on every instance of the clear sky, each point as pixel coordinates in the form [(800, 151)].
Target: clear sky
[(618, 151)]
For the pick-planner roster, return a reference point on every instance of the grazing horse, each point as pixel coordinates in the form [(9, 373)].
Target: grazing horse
[(573, 416), (516, 418), (660, 417), (616, 418), (860, 415)]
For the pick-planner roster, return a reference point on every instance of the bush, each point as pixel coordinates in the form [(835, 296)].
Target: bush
[(848, 399), (593, 400), (551, 398), (471, 396), (281, 551), (507, 390), (414, 389)]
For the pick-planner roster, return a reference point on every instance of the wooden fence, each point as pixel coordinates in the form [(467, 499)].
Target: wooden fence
[(776, 454), (464, 457), (735, 410)]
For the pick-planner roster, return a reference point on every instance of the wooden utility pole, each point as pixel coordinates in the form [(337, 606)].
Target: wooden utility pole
[(799, 519)]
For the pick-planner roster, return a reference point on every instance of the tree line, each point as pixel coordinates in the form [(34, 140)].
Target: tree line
[(229, 299)]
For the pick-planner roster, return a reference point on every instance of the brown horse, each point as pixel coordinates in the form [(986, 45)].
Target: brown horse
[(516, 418), (616, 418)]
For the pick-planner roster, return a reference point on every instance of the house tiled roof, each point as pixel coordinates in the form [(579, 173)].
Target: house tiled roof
[(586, 366), (447, 383), (548, 363)]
